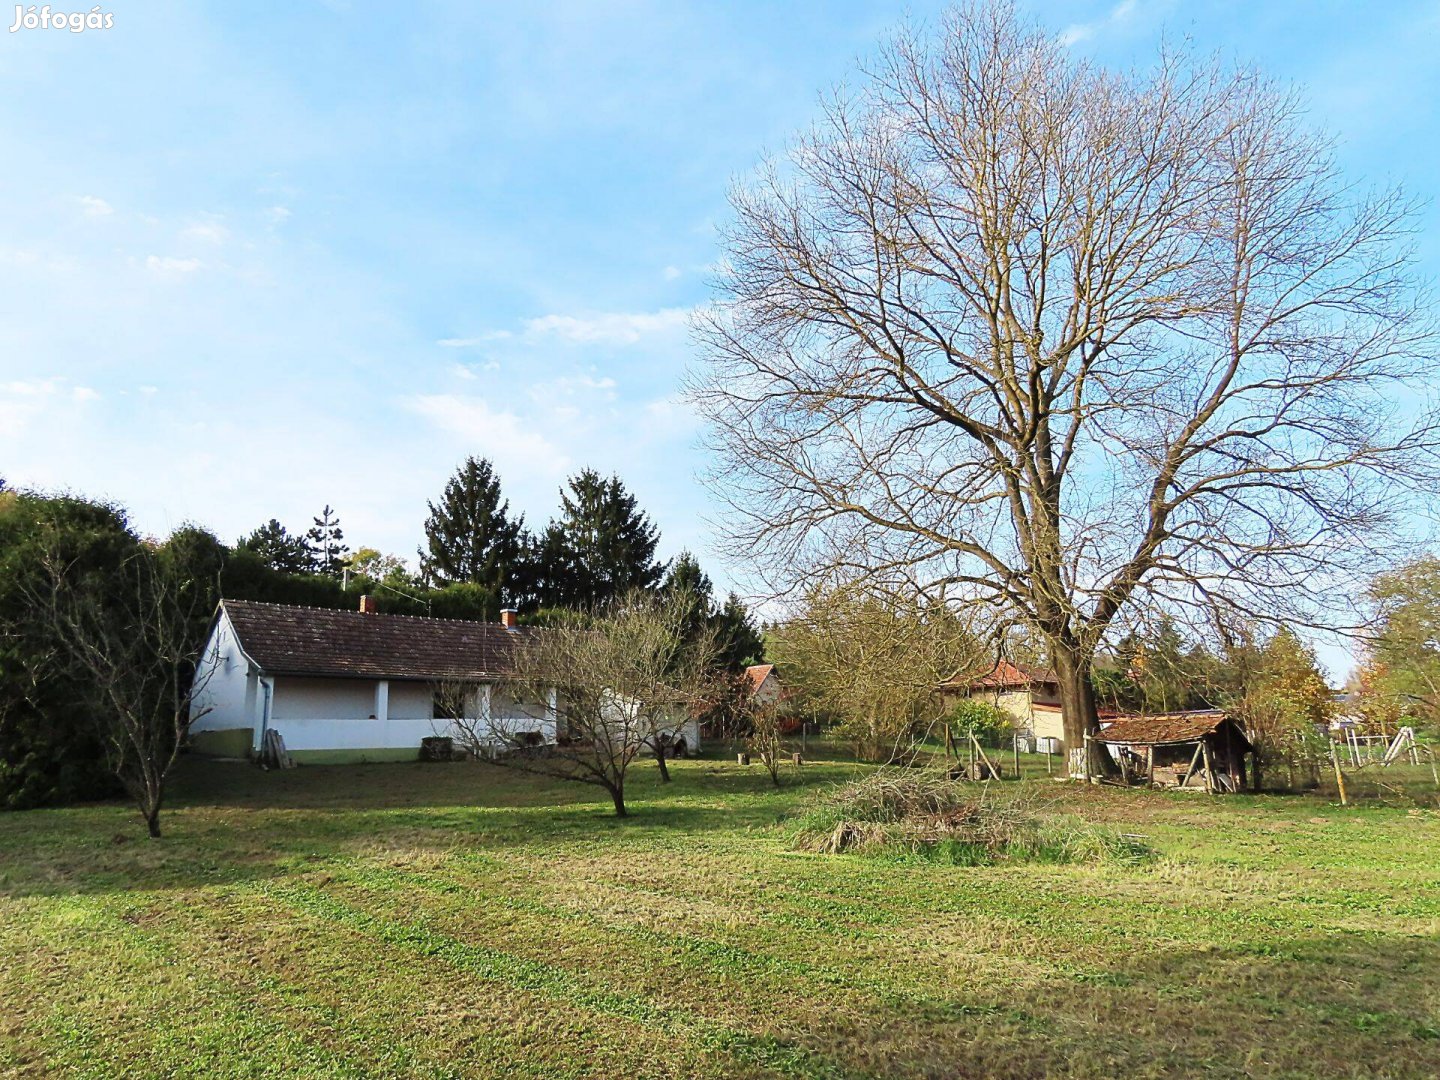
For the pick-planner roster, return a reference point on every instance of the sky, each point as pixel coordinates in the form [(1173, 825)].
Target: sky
[(260, 258)]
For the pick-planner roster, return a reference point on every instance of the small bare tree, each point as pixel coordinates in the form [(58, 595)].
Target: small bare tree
[(875, 661), (130, 641), (765, 739), (1064, 339), (623, 680)]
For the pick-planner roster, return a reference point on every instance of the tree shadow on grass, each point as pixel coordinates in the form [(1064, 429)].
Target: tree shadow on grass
[(232, 823)]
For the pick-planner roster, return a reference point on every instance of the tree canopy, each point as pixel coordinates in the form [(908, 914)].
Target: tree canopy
[(1009, 327)]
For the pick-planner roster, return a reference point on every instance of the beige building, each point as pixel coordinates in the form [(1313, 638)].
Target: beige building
[(1030, 695)]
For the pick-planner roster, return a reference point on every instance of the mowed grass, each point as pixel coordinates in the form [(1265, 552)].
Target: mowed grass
[(462, 920)]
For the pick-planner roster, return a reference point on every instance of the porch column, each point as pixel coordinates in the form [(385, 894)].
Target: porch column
[(382, 700), (552, 712)]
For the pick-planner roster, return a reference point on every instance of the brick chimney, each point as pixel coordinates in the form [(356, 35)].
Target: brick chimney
[(507, 617), (369, 606)]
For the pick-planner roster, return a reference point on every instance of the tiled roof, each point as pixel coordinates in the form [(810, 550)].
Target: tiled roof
[(1158, 730), (287, 640), (757, 674), (1006, 676)]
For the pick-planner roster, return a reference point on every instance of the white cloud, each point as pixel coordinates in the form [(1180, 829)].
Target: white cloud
[(610, 328), (570, 385), (1119, 14), (210, 232), (471, 342), (170, 265), (514, 443), (22, 401), (277, 215), (94, 206), (670, 273)]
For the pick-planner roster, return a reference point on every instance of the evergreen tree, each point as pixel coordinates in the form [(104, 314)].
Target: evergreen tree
[(469, 535), (601, 547), (686, 577), (325, 544), (277, 549), (740, 641)]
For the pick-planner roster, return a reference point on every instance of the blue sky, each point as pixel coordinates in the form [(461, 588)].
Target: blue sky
[(256, 258)]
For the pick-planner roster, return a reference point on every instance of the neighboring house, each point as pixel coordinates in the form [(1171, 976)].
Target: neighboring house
[(764, 683), (356, 685), (1030, 695)]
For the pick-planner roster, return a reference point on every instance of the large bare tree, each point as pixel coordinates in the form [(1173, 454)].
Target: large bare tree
[(1009, 327)]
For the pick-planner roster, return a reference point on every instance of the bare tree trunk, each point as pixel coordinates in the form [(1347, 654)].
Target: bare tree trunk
[(660, 760), (1077, 709), (617, 795)]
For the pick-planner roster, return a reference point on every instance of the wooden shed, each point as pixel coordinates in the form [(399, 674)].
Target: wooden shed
[(1194, 749)]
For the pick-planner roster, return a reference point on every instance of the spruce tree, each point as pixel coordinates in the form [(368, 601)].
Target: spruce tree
[(470, 536), (686, 578), (601, 547), (739, 641), (325, 542), (277, 549)]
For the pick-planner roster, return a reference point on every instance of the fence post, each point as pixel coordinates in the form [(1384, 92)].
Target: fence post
[(1339, 776)]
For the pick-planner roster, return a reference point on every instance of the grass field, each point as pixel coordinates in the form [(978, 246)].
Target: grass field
[(459, 920)]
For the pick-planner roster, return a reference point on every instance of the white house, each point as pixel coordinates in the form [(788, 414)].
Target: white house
[(345, 686), (764, 683)]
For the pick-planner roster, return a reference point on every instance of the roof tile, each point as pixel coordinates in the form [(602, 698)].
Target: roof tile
[(287, 640)]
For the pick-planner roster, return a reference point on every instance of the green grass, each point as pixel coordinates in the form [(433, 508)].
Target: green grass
[(460, 920)]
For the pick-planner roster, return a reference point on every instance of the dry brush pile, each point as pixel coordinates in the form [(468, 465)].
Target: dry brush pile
[(924, 813)]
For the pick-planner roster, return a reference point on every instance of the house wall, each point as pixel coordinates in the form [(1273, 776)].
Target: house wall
[(223, 713), (347, 720), (411, 701), (768, 692), (342, 720), (1028, 710)]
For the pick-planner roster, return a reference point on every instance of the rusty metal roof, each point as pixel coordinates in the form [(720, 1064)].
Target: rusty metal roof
[(288, 640), (1178, 727)]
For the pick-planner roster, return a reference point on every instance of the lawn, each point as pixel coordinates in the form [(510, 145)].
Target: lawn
[(461, 920)]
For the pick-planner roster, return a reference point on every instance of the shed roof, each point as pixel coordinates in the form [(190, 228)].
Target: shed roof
[(1178, 727), (287, 640)]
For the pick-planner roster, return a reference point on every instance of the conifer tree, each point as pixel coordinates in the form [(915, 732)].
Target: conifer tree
[(277, 549), (738, 640), (470, 535), (601, 547), (325, 542)]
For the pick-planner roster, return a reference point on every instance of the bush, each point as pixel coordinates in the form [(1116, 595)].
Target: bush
[(925, 814), (990, 724)]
